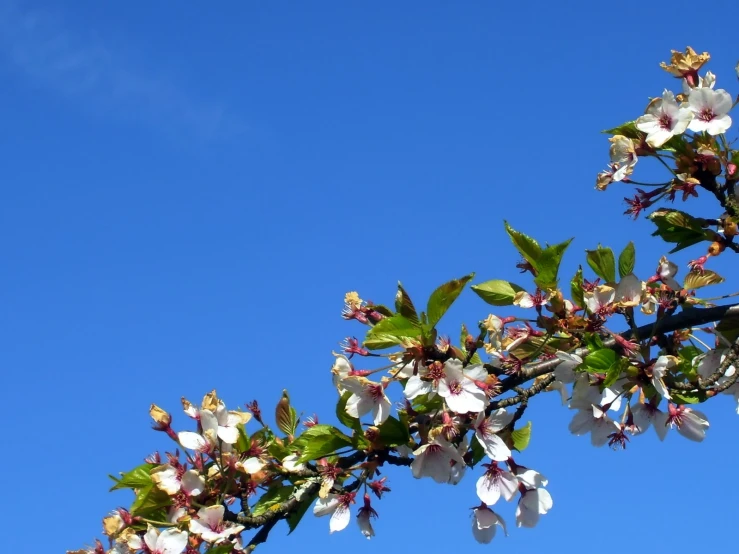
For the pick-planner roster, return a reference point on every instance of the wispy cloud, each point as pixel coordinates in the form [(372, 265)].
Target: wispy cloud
[(80, 65)]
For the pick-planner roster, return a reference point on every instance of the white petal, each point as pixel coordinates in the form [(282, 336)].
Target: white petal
[(192, 441), (325, 506), (340, 518), (381, 410), (171, 541), (229, 435), (495, 448), (416, 387), (488, 490), (193, 483)]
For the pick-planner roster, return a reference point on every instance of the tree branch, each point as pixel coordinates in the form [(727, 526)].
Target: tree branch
[(687, 318)]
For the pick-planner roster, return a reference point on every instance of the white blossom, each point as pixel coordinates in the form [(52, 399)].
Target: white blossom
[(532, 504), (495, 483), (484, 523), (664, 119), (367, 396), (434, 459), (338, 507), (209, 525), (593, 421), (711, 111), (459, 390), (486, 429)]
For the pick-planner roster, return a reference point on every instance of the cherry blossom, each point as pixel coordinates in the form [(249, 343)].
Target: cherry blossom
[(169, 541), (495, 483), (711, 111), (532, 504), (690, 423), (484, 524), (664, 119), (367, 396), (434, 459), (459, 390), (486, 429), (171, 480), (647, 414), (593, 421), (337, 506), (209, 525)]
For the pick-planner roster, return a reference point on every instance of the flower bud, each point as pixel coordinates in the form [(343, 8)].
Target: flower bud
[(716, 248)]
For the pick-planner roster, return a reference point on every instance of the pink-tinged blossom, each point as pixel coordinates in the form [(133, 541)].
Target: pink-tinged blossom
[(664, 119), (565, 370), (659, 370), (336, 505), (595, 422), (710, 111), (459, 390), (690, 423), (456, 473), (600, 301), (434, 459), (484, 524), (367, 396), (585, 394), (532, 504), (223, 423), (169, 541), (209, 525), (171, 480), (494, 483), (486, 429), (364, 515), (666, 271), (645, 415)]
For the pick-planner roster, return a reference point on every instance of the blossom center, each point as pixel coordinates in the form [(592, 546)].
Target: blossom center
[(375, 392), (706, 114), (665, 121), (455, 387)]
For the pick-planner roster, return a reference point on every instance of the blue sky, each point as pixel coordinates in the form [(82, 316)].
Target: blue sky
[(188, 193)]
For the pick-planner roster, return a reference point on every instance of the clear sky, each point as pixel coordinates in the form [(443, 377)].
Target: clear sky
[(188, 191)]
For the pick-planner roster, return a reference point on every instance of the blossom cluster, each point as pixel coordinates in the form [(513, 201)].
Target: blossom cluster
[(446, 409)]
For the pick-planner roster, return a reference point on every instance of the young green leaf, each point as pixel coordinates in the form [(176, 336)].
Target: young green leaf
[(526, 246), (137, 478), (603, 263), (627, 260), (391, 331), (149, 499), (627, 129), (703, 278), (285, 415), (443, 297), (548, 265), (576, 288), (521, 437), (679, 227), (393, 432), (404, 306), (497, 292), (600, 361), (319, 441), (274, 496)]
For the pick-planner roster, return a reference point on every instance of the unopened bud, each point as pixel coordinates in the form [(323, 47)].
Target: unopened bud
[(716, 248), (730, 229)]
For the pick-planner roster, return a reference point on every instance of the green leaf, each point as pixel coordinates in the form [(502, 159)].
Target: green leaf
[(285, 415), (698, 279), (319, 441), (242, 443), (600, 361), (547, 265), (593, 341), (278, 451), (221, 549), (139, 477), (391, 331), (627, 129), (423, 404), (521, 437), (688, 397), (404, 306), (603, 263), (576, 289), (297, 514), (272, 499), (393, 432), (443, 297), (676, 144), (149, 499), (679, 227), (685, 363), (614, 372), (627, 260), (526, 246), (497, 292), (478, 452)]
